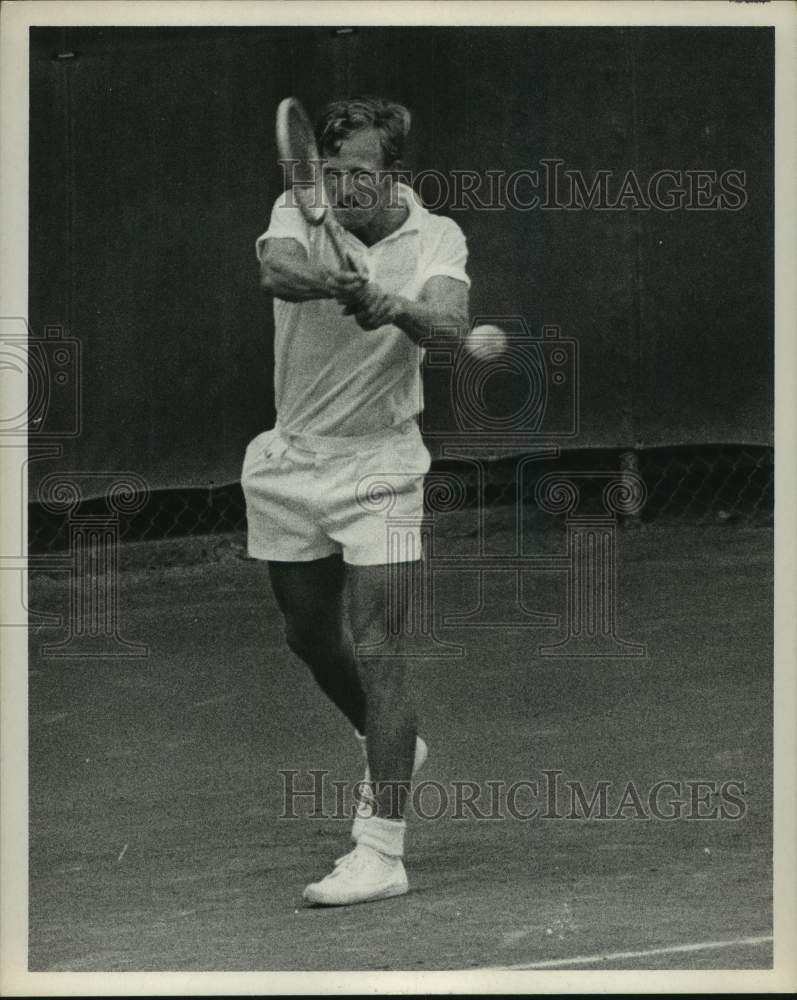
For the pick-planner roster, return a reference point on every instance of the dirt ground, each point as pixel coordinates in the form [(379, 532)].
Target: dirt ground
[(156, 841)]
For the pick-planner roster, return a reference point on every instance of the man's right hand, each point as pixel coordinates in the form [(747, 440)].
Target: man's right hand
[(286, 273)]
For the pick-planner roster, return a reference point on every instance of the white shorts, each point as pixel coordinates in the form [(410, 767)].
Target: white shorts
[(309, 497)]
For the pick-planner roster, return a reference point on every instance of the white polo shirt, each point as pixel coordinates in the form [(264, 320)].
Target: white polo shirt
[(332, 378)]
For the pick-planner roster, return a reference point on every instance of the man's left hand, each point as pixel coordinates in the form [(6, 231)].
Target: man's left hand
[(373, 307)]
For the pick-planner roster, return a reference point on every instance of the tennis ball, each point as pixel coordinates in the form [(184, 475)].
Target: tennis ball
[(486, 340)]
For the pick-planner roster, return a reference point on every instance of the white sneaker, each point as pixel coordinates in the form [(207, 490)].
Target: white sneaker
[(365, 797), (361, 876)]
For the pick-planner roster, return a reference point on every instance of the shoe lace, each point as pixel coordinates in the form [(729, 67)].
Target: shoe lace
[(349, 862), (346, 860)]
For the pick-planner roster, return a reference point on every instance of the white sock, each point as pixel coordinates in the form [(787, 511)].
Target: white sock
[(384, 835)]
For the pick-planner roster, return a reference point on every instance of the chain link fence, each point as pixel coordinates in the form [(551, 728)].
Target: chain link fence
[(710, 485), (706, 485)]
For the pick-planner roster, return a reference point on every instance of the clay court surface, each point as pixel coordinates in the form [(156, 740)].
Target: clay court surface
[(155, 842)]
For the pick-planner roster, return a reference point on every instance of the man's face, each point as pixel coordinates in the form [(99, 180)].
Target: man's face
[(357, 186)]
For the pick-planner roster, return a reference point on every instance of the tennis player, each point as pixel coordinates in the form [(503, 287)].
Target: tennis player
[(348, 393)]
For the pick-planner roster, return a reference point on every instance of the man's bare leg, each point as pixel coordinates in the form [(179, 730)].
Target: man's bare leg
[(377, 600), (311, 597), (377, 606)]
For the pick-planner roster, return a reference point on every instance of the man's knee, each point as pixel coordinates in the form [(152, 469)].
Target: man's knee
[(376, 645), (382, 597)]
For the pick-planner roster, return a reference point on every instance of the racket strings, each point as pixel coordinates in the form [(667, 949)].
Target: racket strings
[(304, 166), (299, 153)]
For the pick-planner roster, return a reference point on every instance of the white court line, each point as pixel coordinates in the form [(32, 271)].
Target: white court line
[(616, 956)]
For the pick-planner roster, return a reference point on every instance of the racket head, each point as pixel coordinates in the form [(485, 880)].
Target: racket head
[(300, 158)]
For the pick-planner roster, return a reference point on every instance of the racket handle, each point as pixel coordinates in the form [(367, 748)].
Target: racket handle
[(344, 257)]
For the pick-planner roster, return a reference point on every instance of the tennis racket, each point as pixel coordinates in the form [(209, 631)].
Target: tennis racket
[(297, 146)]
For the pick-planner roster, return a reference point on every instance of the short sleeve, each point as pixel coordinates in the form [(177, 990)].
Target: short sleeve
[(286, 223), (449, 254)]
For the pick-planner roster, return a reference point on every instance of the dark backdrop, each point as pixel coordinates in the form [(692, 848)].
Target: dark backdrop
[(153, 168)]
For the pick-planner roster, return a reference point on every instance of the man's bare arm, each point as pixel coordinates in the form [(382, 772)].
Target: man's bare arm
[(442, 304), (287, 273)]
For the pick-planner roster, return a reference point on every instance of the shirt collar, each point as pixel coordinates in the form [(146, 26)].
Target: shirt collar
[(412, 223)]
